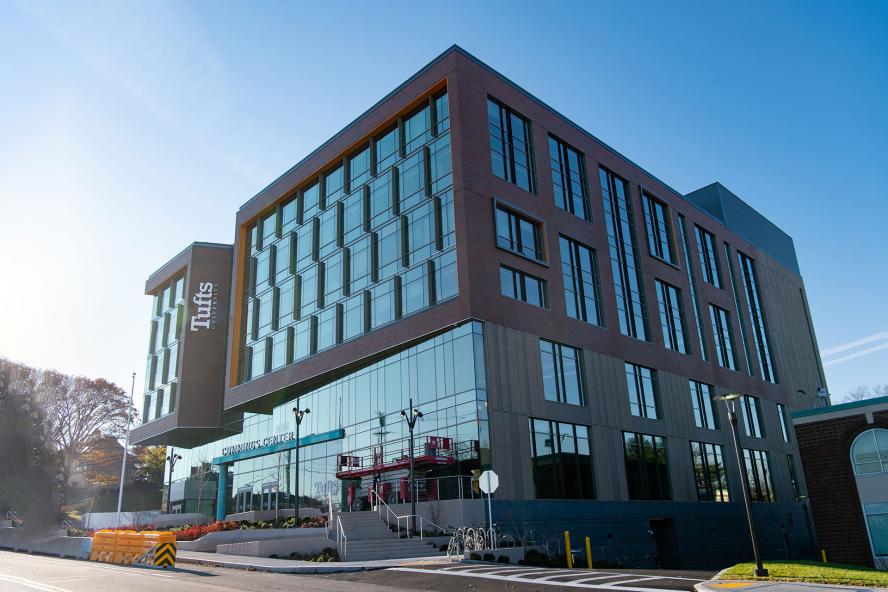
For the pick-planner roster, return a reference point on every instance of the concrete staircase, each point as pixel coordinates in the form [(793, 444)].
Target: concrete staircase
[(369, 538)]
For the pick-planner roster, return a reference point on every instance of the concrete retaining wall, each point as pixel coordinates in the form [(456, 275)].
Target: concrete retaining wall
[(210, 541), (279, 547), (61, 546)]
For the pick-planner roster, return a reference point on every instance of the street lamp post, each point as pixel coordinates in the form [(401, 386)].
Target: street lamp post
[(172, 458), (730, 400), (411, 416), (125, 449), (298, 414)]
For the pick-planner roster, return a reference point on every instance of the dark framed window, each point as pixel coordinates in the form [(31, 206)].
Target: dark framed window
[(519, 234), (784, 427), (757, 318), (683, 233), (562, 368), (659, 228), (709, 472), (511, 146), (569, 178), (707, 249), (624, 255), (723, 335), (523, 286), (647, 472), (562, 461), (752, 416), (644, 398), (334, 185), (701, 402), (672, 317), (794, 482), (758, 474), (579, 268)]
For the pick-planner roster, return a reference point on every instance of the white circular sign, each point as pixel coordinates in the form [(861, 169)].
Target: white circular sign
[(488, 481)]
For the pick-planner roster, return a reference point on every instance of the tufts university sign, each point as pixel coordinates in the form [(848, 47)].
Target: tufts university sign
[(206, 303)]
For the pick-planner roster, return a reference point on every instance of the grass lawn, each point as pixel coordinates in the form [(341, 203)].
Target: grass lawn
[(812, 572)]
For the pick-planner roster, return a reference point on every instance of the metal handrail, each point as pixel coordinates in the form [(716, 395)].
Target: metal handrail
[(421, 529), (341, 539), (379, 500)]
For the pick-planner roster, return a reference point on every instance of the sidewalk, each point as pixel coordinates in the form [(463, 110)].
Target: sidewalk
[(297, 567), (736, 585)]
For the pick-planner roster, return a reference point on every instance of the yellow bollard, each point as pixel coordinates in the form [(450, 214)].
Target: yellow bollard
[(570, 562), (823, 555), (588, 553)]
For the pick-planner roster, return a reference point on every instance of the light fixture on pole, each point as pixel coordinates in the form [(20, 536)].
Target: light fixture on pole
[(298, 414), (411, 416), (730, 400), (125, 450), (172, 458)]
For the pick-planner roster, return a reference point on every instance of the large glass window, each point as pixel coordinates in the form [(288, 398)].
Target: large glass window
[(569, 178), (519, 234), (644, 398), (723, 335), (386, 149), (683, 231), (562, 461), (869, 453), (797, 492), (523, 286), (672, 317), (647, 472), (709, 472), (877, 524), (511, 146), (579, 268), (345, 234), (707, 249), (659, 228), (624, 255), (784, 426), (333, 186), (359, 168), (758, 473), (701, 402), (562, 367), (757, 317), (752, 416)]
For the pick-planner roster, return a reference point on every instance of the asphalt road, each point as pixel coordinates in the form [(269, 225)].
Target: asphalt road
[(20, 572)]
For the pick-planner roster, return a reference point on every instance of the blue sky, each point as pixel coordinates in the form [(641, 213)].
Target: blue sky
[(129, 129)]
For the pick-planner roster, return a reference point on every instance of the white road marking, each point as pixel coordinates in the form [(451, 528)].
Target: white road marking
[(520, 577), (145, 571), (31, 584)]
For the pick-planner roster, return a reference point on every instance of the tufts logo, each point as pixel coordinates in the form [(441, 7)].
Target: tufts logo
[(206, 301)]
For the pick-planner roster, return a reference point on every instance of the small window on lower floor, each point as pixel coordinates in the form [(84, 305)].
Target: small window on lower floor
[(562, 461), (758, 474), (647, 473), (709, 472), (523, 286)]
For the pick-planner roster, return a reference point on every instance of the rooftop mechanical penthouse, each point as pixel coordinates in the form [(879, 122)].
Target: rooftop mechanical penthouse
[(555, 311)]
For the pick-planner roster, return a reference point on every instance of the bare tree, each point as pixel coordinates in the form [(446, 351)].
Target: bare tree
[(864, 392), (78, 410)]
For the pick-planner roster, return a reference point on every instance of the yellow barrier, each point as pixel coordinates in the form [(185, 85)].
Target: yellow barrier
[(128, 546)]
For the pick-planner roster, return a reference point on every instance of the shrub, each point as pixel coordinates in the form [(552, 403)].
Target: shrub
[(503, 559), (489, 557), (475, 556)]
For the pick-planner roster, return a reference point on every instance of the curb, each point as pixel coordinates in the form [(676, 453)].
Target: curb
[(290, 569)]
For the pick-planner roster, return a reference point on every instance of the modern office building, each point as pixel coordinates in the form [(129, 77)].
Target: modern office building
[(555, 311), (844, 452)]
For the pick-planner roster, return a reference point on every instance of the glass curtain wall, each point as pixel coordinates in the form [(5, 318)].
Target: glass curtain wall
[(445, 377)]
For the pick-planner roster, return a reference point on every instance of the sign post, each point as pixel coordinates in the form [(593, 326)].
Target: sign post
[(489, 481)]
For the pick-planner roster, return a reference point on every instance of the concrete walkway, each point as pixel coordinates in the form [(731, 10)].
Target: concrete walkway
[(736, 585), (298, 567)]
